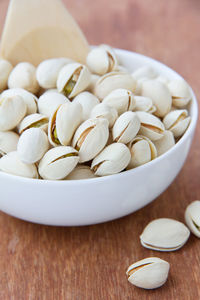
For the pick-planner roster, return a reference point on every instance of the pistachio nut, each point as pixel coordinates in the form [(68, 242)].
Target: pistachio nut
[(160, 95), (164, 235), (113, 159), (88, 101), (24, 76), (90, 138), (48, 70), (63, 123), (121, 99), (73, 79), (126, 127), (5, 69), (142, 150), (180, 91), (151, 126), (50, 101), (148, 273), (8, 142), (112, 81), (101, 60), (32, 145), (33, 121), (29, 98), (58, 162), (12, 111), (192, 217), (93, 81), (104, 111), (177, 121), (144, 104), (165, 143), (81, 172), (10, 163), (145, 71)]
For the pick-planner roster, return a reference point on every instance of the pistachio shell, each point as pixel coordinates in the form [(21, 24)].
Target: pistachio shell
[(165, 143), (24, 76), (112, 81), (73, 79), (93, 81), (113, 159), (33, 121), (180, 91), (121, 99), (90, 138), (8, 142), (148, 273), (88, 101), (192, 217), (126, 127), (81, 172), (144, 104), (10, 163), (151, 126), (5, 69), (104, 111), (160, 95), (164, 235), (177, 121), (48, 70), (145, 71), (58, 162)]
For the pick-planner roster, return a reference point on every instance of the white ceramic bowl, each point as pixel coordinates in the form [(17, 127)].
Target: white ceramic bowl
[(91, 201)]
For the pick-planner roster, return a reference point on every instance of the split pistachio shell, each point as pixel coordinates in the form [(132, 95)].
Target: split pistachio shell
[(144, 104), (165, 143), (33, 121), (63, 123), (177, 121), (81, 172), (164, 235), (10, 163), (148, 273), (180, 91), (58, 162), (73, 79), (29, 98), (50, 101), (142, 150), (104, 111), (32, 145), (192, 217), (93, 81), (5, 69), (24, 76), (88, 101), (146, 71), (113, 159), (8, 142), (151, 126), (12, 111), (160, 95), (126, 127), (121, 99), (48, 70), (101, 60), (90, 138), (112, 81)]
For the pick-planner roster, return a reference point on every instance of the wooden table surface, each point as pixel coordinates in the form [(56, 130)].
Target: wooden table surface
[(86, 263)]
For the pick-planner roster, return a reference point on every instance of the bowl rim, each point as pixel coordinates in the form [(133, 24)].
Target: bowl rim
[(125, 173)]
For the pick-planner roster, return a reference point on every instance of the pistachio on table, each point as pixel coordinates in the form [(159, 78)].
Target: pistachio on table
[(33, 121), (81, 172), (165, 143), (88, 101), (192, 217), (144, 104), (103, 110), (180, 91), (8, 142), (177, 121)]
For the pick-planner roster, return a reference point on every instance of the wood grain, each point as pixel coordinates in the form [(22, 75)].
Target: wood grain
[(86, 263)]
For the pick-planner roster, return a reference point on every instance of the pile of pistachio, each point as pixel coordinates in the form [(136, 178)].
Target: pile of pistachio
[(66, 120)]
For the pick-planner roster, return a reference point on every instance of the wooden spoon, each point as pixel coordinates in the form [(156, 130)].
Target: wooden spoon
[(40, 29)]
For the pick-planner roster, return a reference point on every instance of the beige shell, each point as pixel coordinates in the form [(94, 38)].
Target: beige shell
[(165, 143), (93, 81), (180, 91), (24, 76), (104, 111), (177, 121), (192, 217), (58, 162), (160, 95), (5, 69), (121, 99), (144, 72), (162, 79), (142, 150), (90, 138), (10, 163), (88, 101), (148, 273), (81, 172), (8, 142), (126, 127), (73, 79), (112, 160), (151, 126), (144, 104), (112, 81), (33, 121), (164, 235)]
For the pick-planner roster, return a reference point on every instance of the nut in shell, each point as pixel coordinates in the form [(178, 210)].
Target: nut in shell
[(33, 121), (165, 143), (144, 104), (88, 101), (180, 91), (8, 142), (105, 111), (192, 217), (81, 172), (177, 121), (5, 69)]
